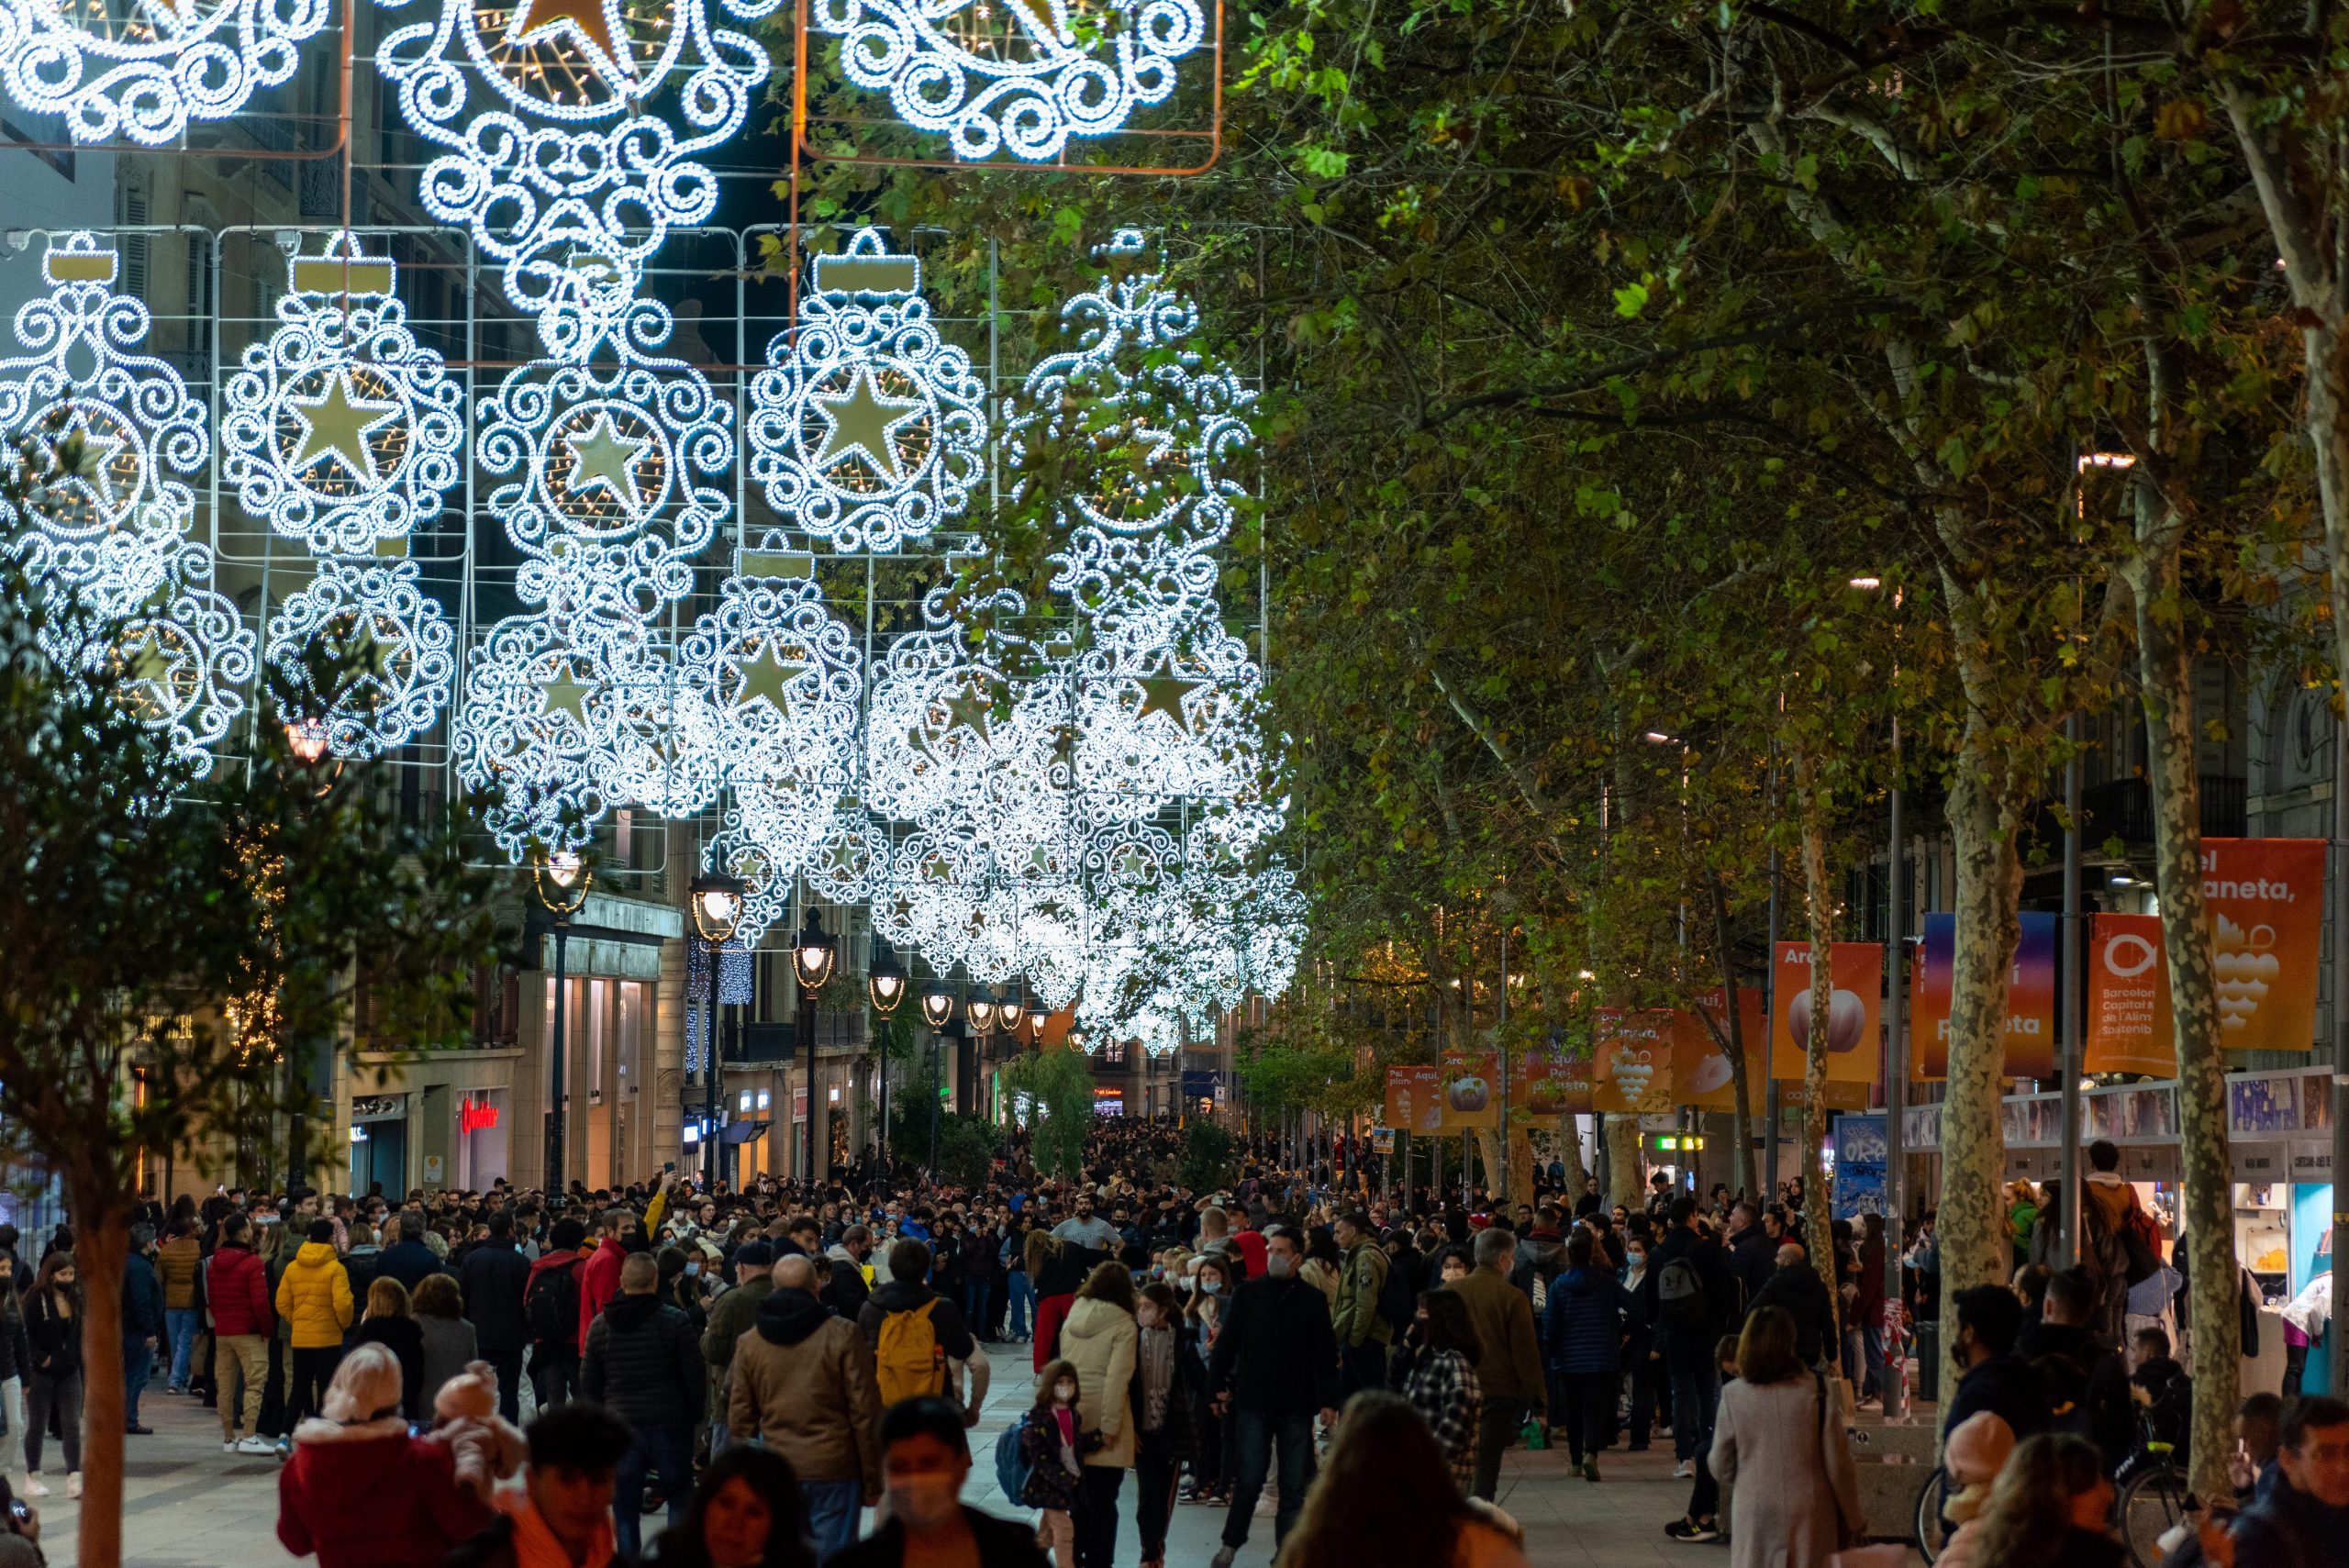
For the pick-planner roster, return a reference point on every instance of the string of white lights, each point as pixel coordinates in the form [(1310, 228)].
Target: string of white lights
[(146, 71)]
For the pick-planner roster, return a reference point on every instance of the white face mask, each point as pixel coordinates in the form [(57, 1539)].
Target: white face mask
[(1278, 1265), (1209, 1284), (923, 1502), (1064, 1392)]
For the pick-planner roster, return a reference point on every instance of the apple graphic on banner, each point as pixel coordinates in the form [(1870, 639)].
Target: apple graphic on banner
[(1470, 1094), (1713, 1073), (1846, 1016), (2245, 964)]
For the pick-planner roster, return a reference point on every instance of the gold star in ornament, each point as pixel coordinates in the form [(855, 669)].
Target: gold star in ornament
[(94, 464), (148, 672), (565, 695), (972, 710), (1164, 693), (768, 674), (335, 424), (587, 22), (603, 456), (864, 419)]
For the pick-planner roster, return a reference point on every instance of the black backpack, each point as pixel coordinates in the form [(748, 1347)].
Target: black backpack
[(1397, 1301), (551, 1304), (1680, 1298)]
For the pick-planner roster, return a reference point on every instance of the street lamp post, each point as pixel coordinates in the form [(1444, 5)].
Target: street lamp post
[(937, 1008), (561, 881), (885, 983), (716, 901), (811, 965)]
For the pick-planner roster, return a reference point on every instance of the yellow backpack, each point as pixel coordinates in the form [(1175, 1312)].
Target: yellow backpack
[(910, 1361)]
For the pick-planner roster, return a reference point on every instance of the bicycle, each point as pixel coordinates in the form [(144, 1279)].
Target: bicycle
[(2153, 1497), (1932, 1530)]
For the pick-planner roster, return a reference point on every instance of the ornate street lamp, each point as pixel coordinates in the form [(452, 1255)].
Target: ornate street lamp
[(937, 1010), (884, 983), (715, 902), (561, 881), (811, 964)]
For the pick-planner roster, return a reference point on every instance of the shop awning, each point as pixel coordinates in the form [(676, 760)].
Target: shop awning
[(743, 1132)]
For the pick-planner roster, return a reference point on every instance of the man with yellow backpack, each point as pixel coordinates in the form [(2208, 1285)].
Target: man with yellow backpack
[(920, 1344)]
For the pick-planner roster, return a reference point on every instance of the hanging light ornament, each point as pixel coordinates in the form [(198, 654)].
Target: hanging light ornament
[(559, 160), (867, 430), (394, 652), (143, 71), (851, 860), (765, 877), (181, 655), (341, 430), (1018, 76)]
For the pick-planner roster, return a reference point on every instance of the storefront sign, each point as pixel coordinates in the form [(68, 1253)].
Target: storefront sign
[(2260, 1164), (2030, 999), (473, 1116), (379, 1108)]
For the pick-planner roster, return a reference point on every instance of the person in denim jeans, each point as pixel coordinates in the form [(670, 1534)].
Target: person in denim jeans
[(1276, 1365), (1023, 1292), (176, 1263), (643, 1362)]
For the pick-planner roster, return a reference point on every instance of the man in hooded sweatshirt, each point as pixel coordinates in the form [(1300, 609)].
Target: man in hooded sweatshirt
[(803, 1381), (314, 1301), (948, 1340), (643, 1362)]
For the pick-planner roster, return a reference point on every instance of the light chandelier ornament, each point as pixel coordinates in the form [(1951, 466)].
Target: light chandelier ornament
[(340, 429), (765, 877), (1017, 77), (972, 732), (102, 439), (181, 656), (1166, 713), (552, 155), (616, 470), (396, 653), (851, 860), (145, 70), (866, 430)]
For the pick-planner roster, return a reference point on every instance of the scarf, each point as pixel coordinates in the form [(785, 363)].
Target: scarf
[(1157, 1375)]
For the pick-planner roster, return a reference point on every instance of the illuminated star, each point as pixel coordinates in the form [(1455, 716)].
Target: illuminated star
[(95, 465), (148, 672), (603, 456), (588, 24), (335, 424), (1164, 693), (770, 672), (565, 694), (973, 710), (863, 420)]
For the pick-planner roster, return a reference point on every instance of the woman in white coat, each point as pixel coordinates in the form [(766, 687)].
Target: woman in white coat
[(1099, 1339), (1779, 1439)]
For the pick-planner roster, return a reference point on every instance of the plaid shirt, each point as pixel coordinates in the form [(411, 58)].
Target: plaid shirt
[(1443, 1388)]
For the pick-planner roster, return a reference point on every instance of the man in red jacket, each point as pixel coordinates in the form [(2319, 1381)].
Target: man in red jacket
[(237, 1285), (550, 1308), (600, 1276)]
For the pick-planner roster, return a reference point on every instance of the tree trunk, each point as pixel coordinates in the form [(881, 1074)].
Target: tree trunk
[(1624, 1176), (1741, 1120), (2165, 664), (101, 1241), (1820, 899), (1972, 1228)]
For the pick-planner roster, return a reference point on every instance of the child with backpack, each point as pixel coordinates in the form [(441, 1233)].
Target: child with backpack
[(1052, 1446)]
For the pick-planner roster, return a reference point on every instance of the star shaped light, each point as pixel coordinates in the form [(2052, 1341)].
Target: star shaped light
[(566, 694), (973, 710), (1164, 693), (585, 22), (863, 419), (335, 424), (603, 456), (773, 670), (95, 465)]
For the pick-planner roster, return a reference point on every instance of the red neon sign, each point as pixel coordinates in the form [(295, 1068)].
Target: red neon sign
[(475, 1117)]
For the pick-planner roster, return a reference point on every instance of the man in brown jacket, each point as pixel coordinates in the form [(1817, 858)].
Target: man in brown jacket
[(175, 1265), (803, 1378), (1508, 1370)]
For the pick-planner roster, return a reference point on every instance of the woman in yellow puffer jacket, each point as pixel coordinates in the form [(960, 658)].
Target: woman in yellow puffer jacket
[(314, 1299)]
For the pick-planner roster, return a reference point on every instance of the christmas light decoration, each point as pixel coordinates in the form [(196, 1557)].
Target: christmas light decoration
[(971, 731), (866, 430), (851, 860), (145, 70), (339, 429), (396, 653), (1018, 76), (553, 159)]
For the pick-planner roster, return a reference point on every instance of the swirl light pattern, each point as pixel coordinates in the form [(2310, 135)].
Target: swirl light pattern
[(341, 430), (866, 430), (551, 157), (114, 68), (1017, 77), (397, 652)]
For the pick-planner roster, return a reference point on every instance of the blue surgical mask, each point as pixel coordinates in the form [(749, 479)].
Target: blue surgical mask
[(692, 1269)]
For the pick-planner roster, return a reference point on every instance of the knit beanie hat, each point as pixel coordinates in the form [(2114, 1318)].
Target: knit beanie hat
[(366, 1385), (1976, 1451)]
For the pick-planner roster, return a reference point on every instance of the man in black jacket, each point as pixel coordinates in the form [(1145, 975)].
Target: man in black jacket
[(1796, 1286), (2063, 1330), (1690, 1319), (643, 1362), (1991, 1375), (493, 1275), (1753, 1256), (1276, 1365), (408, 1259)]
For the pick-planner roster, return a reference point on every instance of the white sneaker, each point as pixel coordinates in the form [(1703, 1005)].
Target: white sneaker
[(74, 1485), (1683, 1471), (262, 1446), (33, 1487), (229, 1446)]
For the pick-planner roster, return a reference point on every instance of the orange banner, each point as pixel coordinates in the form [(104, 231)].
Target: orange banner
[(2266, 903), (1472, 1091), (1854, 1028), (2129, 1018), (1414, 1099), (1701, 1075), (1634, 1061)]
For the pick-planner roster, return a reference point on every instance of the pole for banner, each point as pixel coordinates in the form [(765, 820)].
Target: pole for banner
[(2067, 1211), (1769, 1021), (2341, 1059), (1500, 1047), (1896, 1085)]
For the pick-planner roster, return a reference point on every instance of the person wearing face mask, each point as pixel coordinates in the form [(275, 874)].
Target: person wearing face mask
[(1275, 1364), (1054, 1444), (1164, 1379), (1212, 1284), (924, 1522)]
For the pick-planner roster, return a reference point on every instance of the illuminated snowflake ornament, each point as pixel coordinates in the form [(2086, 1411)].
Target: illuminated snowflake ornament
[(341, 430), (1018, 76), (851, 859), (553, 150), (396, 653), (144, 68), (1164, 717), (961, 730), (766, 880), (865, 429), (100, 436)]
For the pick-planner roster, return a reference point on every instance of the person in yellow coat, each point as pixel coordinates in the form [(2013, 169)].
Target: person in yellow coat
[(314, 1299)]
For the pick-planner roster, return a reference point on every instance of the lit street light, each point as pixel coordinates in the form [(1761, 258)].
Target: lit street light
[(560, 883), (714, 900)]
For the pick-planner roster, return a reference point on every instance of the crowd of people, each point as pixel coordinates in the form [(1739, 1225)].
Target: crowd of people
[(513, 1376)]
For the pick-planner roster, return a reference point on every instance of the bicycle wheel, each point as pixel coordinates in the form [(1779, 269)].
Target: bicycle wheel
[(2154, 1500), (1932, 1530)]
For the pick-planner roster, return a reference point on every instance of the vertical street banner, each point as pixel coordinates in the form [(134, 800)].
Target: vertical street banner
[(1634, 1060), (2128, 1018), (1700, 1066), (2030, 999), (1860, 1161), (1854, 1022), (1414, 1099), (1470, 1098), (2266, 903), (1572, 1066), (1537, 1089)]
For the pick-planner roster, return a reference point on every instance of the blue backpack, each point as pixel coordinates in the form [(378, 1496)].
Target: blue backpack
[(1010, 1463)]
